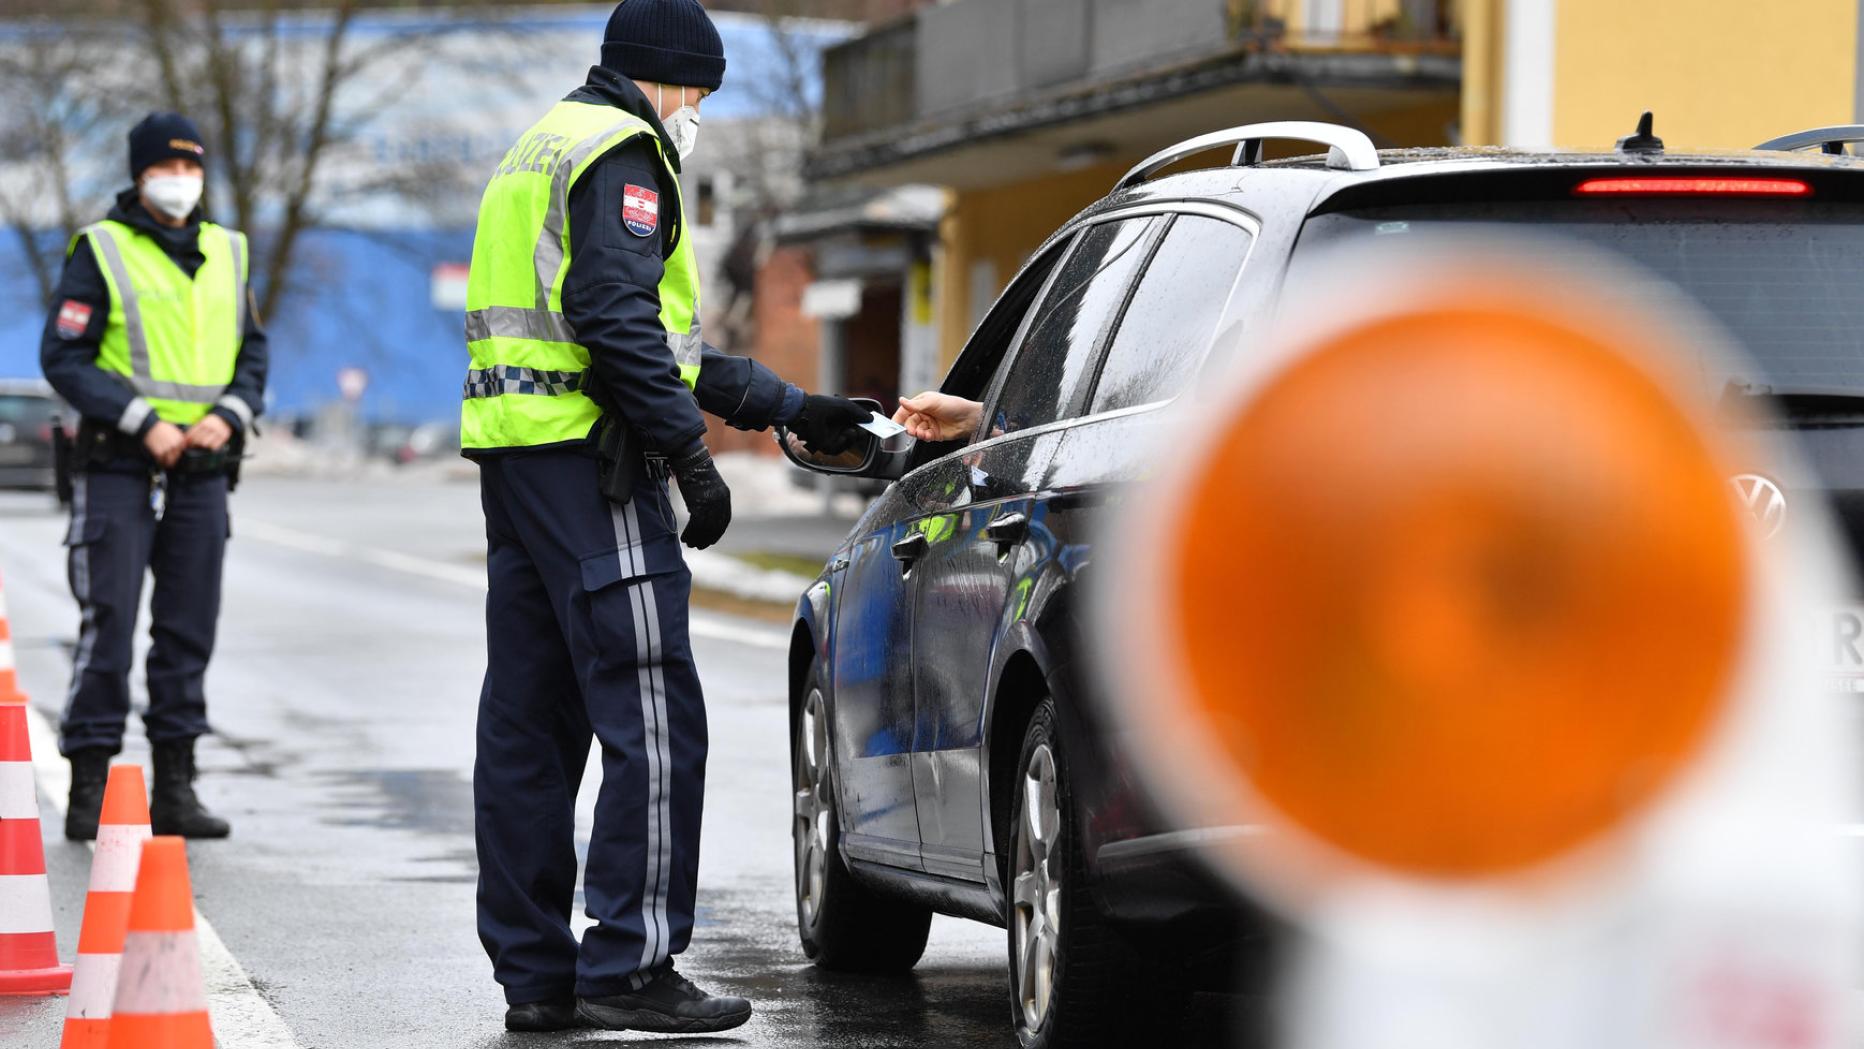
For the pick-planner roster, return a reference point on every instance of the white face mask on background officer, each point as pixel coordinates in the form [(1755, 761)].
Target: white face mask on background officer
[(172, 188), (682, 121)]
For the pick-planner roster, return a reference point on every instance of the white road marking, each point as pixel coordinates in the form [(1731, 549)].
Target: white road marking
[(242, 1018), (311, 543)]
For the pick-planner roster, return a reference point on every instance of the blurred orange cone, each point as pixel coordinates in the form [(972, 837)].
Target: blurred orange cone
[(120, 837), (161, 1000), (9, 676), (28, 951)]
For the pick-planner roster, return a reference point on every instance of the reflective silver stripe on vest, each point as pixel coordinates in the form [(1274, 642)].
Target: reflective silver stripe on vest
[(547, 259), (510, 378), (239, 283), (513, 322), (141, 377), (688, 348)]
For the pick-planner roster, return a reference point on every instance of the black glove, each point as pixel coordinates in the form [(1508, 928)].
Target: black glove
[(708, 500), (830, 425)]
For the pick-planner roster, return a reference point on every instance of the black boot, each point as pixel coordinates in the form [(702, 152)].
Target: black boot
[(173, 806), (557, 1014), (90, 770), (670, 1004)]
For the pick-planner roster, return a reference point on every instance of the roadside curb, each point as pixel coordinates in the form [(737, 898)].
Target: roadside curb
[(727, 575)]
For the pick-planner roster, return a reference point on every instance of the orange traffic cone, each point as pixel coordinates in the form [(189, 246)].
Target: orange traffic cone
[(120, 836), (28, 951), (161, 999), (9, 674)]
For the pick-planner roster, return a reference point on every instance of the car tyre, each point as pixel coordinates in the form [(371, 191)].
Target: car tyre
[(843, 924), (1067, 968)]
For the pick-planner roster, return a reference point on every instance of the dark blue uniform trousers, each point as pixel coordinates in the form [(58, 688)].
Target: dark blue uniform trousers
[(114, 540), (586, 637)]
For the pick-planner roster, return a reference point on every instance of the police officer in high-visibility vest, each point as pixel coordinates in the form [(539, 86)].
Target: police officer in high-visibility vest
[(587, 380), (153, 340)]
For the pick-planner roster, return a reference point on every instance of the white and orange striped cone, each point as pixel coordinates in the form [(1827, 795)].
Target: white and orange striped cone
[(161, 999), (28, 950), (120, 836), (9, 673)]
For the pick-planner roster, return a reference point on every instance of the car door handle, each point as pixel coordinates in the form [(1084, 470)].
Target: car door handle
[(1007, 530), (910, 549)]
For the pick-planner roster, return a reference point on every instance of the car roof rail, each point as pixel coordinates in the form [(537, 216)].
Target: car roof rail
[(1348, 149), (1829, 139)]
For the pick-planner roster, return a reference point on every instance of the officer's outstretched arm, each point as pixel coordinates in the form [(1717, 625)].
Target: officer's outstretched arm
[(68, 348), (749, 396), (745, 393)]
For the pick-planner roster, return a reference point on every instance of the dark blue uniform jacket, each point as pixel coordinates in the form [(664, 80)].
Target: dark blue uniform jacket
[(69, 358), (611, 297)]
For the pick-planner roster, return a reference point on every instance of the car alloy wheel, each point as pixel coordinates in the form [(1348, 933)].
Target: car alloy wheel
[(815, 807), (1036, 888)]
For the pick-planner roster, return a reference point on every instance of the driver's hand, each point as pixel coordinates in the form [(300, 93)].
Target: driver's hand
[(934, 416)]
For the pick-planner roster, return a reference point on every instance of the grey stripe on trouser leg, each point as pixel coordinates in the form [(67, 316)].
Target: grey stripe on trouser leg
[(655, 948), (80, 588)]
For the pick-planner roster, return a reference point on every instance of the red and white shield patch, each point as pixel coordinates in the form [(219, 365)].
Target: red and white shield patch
[(640, 210), (73, 318)]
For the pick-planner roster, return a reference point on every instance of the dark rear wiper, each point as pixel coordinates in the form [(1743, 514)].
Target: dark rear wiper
[(1801, 404)]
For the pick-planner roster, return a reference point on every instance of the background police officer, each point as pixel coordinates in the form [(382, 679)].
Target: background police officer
[(586, 386), (152, 338)]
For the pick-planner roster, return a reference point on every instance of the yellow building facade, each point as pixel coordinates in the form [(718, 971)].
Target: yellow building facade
[(1718, 74), (1020, 147)]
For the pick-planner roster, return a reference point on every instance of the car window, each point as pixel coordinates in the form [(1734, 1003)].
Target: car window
[(1065, 330), (31, 411), (1168, 325), (983, 354), (1782, 280)]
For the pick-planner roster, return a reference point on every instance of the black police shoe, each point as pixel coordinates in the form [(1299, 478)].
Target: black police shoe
[(174, 808), (670, 1004), (558, 1014), (90, 771)]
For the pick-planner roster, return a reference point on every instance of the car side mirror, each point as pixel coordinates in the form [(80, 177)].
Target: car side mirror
[(872, 457)]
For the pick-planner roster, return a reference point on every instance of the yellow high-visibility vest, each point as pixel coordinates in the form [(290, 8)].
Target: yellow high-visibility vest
[(527, 383), (175, 338)]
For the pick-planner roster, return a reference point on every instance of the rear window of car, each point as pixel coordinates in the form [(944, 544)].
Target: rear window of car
[(1782, 278), (24, 410)]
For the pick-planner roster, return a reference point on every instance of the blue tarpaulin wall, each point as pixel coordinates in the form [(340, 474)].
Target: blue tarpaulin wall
[(363, 298)]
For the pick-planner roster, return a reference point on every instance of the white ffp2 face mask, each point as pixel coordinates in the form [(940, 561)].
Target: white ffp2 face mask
[(173, 195), (682, 125)]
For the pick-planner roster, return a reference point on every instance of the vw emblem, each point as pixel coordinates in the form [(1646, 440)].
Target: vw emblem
[(1763, 501)]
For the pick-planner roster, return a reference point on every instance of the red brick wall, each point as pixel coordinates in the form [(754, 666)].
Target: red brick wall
[(787, 342)]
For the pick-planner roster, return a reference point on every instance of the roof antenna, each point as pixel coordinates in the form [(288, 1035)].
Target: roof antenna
[(1642, 141)]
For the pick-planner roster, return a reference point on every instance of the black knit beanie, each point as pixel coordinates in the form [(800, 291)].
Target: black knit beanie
[(160, 136), (666, 42)]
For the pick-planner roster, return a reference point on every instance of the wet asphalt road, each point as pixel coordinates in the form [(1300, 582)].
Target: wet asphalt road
[(343, 689)]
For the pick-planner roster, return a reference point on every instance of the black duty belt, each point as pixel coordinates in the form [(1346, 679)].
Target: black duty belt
[(99, 445)]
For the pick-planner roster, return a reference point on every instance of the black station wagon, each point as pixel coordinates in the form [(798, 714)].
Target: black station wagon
[(947, 757)]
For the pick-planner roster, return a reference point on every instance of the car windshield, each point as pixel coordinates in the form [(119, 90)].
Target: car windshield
[(1782, 279)]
